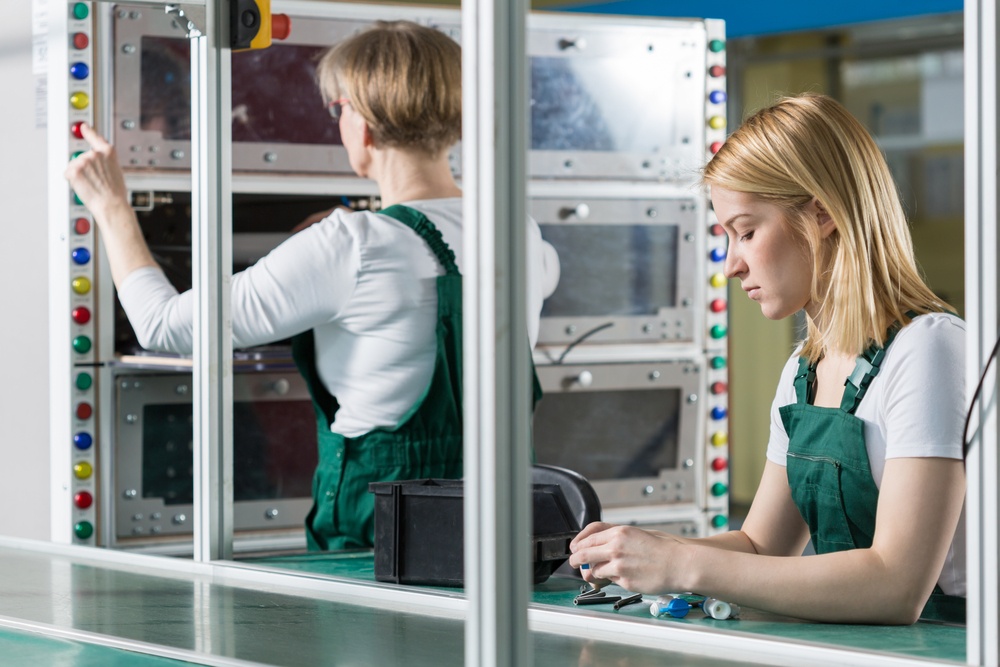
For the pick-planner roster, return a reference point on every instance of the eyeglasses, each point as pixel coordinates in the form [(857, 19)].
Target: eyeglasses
[(336, 107)]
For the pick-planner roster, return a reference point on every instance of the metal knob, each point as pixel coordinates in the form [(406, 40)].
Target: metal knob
[(581, 211), (585, 378)]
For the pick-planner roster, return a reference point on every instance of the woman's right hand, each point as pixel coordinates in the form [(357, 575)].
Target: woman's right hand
[(96, 177)]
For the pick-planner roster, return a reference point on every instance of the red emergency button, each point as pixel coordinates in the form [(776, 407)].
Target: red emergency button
[(80, 40), (84, 411), (83, 500), (716, 70), (715, 147), (719, 464), (718, 388), (716, 230), (81, 226), (76, 130), (717, 305)]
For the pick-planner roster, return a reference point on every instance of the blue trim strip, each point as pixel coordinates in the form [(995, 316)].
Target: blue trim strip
[(744, 19)]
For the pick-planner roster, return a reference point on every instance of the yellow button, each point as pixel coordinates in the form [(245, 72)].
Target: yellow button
[(83, 470), (81, 285), (717, 122), (719, 438), (79, 100), (718, 280)]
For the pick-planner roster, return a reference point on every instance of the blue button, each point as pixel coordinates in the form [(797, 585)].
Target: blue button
[(79, 71), (83, 440), (717, 254), (718, 412), (81, 255), (717, 96)]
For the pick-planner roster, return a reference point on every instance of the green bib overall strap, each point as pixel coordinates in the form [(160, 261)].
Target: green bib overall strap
[(427, 441), (829, 473)]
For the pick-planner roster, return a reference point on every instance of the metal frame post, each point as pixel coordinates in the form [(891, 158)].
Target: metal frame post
[(981, 276), (212, 261), (496, 356)]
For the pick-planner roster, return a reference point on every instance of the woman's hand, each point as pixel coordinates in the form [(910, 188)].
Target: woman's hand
[(99, 183), (97, 178), (635, 559)]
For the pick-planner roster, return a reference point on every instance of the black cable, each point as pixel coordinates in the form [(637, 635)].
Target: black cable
[(582, 338), (966, 443)]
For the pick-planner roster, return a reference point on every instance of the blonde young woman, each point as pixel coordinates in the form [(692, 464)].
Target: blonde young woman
[(373, 300), (865, 451)]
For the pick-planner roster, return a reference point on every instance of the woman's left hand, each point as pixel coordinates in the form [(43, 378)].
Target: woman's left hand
[(635, 559)]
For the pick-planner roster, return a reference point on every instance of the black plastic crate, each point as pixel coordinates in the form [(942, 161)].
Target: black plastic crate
[(419, 531)]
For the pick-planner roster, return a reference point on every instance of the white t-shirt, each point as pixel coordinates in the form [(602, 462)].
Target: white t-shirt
[(915, 407), (365, 283)]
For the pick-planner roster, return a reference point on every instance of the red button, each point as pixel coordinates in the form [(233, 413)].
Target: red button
[(719, 464), (80, 40), (75, 129), (81, 315), (717, 305), (716, 145), (716, 230), (716, 70), (81, 226), (718, 388), (84, 411), (83, 500)]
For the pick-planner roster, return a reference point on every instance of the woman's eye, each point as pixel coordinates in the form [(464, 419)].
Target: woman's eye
[(747, 236)]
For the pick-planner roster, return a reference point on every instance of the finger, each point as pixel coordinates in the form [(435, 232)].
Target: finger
[(96, 141), (590, 529)]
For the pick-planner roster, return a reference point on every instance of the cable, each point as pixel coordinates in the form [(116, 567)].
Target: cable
[(966, 443), (582, 338)]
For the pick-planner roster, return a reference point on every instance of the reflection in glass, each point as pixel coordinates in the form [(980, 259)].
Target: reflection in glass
[(601, 104), (274, 451), (275, 96), (613, 269), (608, 435)]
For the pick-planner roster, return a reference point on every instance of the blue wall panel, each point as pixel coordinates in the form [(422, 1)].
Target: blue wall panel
[(744, 18)]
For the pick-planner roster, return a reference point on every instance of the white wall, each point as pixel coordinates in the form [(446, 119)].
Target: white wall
[(24, 414)]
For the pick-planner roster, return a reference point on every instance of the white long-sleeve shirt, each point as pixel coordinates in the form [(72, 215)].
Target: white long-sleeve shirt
[(365, 283)]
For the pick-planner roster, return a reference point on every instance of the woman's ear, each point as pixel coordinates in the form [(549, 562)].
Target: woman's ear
[(825, 220)]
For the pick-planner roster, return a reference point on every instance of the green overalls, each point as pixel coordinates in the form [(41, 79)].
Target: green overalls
[(427, 442), (829, 474)]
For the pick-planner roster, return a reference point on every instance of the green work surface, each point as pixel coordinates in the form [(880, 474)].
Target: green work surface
[(25, 648), (925, 640)]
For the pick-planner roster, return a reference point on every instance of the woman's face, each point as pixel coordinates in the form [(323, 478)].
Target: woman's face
[(773, 266)]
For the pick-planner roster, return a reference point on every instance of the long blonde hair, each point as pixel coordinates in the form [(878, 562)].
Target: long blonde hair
[(404, 79), (865, 275)]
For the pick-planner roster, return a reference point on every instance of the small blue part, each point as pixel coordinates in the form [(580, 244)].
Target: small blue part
[(717, 254), (678, 607), (83, 440), (81, 256), (717, 96), (718, 412), (79, 71)]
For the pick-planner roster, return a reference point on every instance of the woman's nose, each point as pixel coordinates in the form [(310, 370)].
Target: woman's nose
[(734, 265)]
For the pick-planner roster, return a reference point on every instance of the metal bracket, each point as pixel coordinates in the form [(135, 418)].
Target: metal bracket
[(190, 17)]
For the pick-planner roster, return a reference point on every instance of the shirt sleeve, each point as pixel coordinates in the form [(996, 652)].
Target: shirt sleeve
[(777, 443), (923, 402), (304, 282)]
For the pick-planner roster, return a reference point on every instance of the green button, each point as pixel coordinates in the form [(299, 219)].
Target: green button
[(83, 529), (718, 331), (77, 200), (719, 521), (718, 362), (75, 155), (80, 11), (81, 344), (84, 381), (716, 45), (719, 489)]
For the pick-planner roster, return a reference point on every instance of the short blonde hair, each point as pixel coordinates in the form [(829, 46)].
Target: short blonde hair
[(404, 79), (866, 276)]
